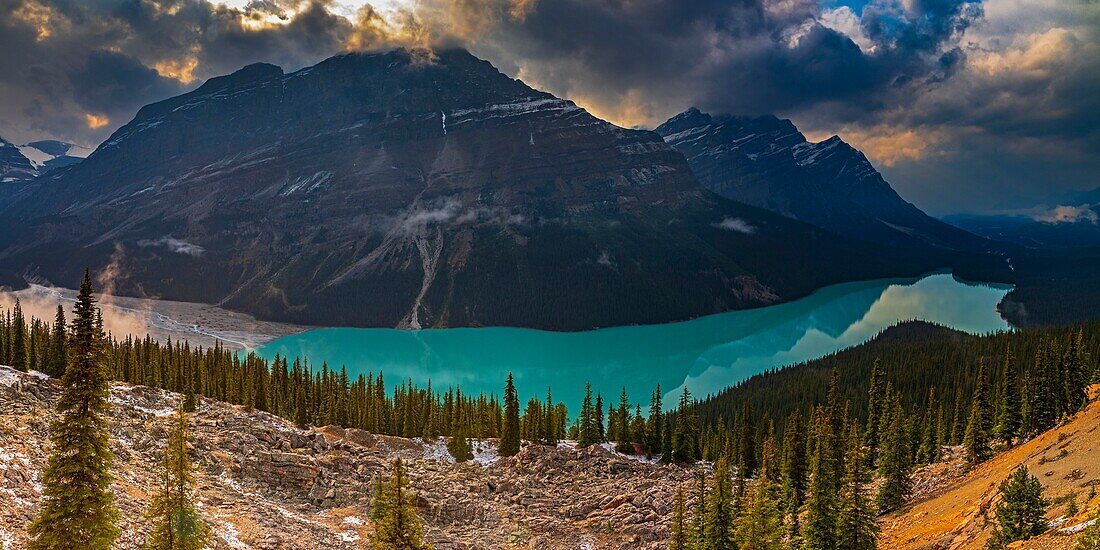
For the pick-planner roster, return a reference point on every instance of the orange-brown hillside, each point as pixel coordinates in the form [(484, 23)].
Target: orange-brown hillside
[(959, 514)]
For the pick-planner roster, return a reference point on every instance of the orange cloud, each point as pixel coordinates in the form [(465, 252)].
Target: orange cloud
[(96, 121), (182, 70), (1039, 55), (43, 18), (887, 145)]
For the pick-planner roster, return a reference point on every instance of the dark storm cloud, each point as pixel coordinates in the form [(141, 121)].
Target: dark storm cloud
[(62, 60), (912, 82), (111, 82), (744, 56)]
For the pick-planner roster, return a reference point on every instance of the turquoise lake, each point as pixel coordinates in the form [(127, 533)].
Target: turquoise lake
[(707, 354)]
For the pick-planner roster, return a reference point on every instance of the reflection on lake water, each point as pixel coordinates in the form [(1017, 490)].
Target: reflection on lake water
[(707, 354)]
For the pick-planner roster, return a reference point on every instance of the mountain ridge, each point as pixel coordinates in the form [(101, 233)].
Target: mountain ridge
[(767, 162), (22, 163), (386, 189)]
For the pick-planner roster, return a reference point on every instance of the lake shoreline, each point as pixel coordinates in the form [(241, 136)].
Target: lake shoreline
[(705, 354), (206, 325)]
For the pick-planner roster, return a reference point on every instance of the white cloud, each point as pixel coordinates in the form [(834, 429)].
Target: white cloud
[(846, 22), (1069, 214), (736, 224), (175, 245)]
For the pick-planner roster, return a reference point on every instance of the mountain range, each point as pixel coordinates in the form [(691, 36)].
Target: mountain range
[(415, 189), (22, 163), (1064, 220), (765, 161)]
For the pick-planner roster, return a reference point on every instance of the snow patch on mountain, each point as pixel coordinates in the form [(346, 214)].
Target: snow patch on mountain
[(506, 110)]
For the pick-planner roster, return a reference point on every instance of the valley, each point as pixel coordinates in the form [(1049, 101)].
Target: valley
[(387, 294)]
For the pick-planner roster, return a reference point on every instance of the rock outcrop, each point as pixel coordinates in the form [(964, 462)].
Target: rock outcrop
[(264, 483)]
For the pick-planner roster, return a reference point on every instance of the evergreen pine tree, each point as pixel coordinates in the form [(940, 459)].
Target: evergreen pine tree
[(509, 439), (624, 438), (894, 464), (983, 396), (874, 412), (666, 438), (78, 509), (929, 444), (654, 425), (822, 506), (59, 346), (18, 339), (759, 526), (856, 525), (637, 428), (678, 539), (459, 445), (747, 444), (1008, 410), (1021, 513), (601, 435), (397, 526), (549, 427), (720, 513), (589, 435), (1076, 375), (976, 440), (958, 420), (794, 462), (176, 524), (685, 439)]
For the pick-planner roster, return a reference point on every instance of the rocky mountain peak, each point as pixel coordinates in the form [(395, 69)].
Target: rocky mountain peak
[(766, 161), (403, 189), (248, 74)]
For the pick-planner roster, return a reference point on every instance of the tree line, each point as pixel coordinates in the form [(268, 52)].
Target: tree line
[(799, 481)]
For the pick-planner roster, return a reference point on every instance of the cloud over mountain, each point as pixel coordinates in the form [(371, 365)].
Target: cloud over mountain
[(949, 83)]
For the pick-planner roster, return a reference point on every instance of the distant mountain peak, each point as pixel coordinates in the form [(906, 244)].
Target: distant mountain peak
[(766, 161), (22, 163)]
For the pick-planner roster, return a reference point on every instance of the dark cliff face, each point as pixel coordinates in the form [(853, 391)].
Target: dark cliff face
[(767, 162), (401, 189)]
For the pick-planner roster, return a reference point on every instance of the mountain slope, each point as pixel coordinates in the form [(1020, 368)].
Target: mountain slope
[(768, 163), (21, 163), (407, 189), (958, 512), (14, 166)]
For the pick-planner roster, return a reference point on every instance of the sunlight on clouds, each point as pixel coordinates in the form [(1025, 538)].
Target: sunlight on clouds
[(96, 121), (45, 20), (182, 69), (887, 145), (846, 22), (1069, 214), (520, 8), (1039, 55)]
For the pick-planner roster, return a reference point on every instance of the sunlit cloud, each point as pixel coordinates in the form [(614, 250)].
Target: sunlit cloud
[(887, 145), (182, 69), (96, 121), (1069, 214), (45, 20), (903, 80)]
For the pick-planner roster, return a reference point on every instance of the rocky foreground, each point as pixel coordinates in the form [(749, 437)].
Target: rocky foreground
[(264, 483)]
